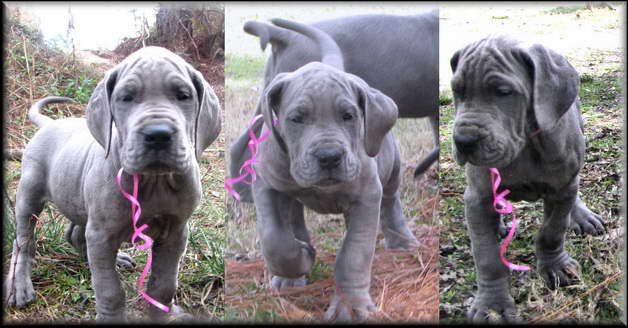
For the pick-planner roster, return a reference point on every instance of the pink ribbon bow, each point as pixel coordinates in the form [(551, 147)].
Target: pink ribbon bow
[(505, 207), (247, 166), (136, 211)]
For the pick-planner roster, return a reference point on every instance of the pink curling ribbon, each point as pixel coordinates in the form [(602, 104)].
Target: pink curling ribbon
[(136, 211), (247, 166), (505, 207)]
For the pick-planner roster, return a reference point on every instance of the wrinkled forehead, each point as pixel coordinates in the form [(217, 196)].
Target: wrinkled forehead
[(487, 57), (319, 84), (153, 59)]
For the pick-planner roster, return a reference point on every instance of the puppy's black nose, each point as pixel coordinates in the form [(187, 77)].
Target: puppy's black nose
[(466, 143), (157, 136), (329, 157)]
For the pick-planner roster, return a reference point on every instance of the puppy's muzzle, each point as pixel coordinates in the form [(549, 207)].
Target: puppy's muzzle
[(329, 157), (467, 143), (157, 136)]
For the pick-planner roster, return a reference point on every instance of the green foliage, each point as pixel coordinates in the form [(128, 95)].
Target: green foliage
[(79, 90), (444, 99), (244, 67)]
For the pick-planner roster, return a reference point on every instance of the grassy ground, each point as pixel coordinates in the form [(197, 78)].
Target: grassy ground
[(60, 277), (597, 296), (404, 284)]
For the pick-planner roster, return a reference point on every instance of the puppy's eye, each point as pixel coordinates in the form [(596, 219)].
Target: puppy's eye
[(297, 119), (347, 116), (128, 97), (182, 96), (503, 91)]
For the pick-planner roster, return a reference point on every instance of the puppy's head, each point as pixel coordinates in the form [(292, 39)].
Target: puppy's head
[(506, 92), (328, 122), (164, 112)]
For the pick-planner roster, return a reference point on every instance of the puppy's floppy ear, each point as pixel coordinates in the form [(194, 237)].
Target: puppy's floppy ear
[(207, 122), (556, 84), (454, 60), (380, 114), (269, 103), (99, 113)]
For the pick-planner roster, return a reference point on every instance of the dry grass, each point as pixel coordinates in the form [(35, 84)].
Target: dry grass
[(404, 288)]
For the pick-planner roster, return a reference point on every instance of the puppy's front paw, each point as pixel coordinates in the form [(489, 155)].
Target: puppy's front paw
[(560, 271), (178, 315), (493, 309), (350, 306), (281, 282), (19, 292), (405, 241)]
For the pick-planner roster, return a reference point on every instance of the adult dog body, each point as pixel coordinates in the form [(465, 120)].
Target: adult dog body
[(165, 114), (331, 150), (397, 55), (517, 110)]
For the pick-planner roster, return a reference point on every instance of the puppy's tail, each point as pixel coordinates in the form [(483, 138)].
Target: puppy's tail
[(267, 34), (330, 51), (35, 115)]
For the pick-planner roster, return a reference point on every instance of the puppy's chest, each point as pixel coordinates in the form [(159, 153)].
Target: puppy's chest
[(535, 180), (324, 203), (528, 191)]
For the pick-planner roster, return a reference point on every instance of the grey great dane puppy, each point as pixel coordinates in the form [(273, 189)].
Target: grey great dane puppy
[(165, 114), (333, 151), (517, 110), (397, 55)]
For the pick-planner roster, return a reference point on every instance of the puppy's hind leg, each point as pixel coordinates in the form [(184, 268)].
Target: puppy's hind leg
[(584, 221), (75, 236), (394, 226), (29, 203)]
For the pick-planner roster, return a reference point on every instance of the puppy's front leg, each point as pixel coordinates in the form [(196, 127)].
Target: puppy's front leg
[(554, 264), (102, 247), (285, 243), (354, 260), (162, 285), (483, 225)]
